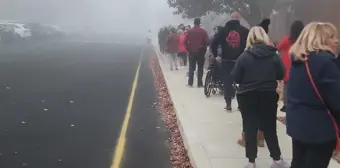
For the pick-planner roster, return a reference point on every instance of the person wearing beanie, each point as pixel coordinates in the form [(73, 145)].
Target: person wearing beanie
[(265, 24)]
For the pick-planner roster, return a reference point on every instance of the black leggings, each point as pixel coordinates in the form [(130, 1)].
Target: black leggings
[(312, 155), (259, 109)]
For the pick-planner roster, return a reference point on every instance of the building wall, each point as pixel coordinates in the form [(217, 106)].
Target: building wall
[(305, 10), (318, 10)]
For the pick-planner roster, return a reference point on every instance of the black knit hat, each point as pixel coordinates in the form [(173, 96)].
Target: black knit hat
[(265, 24)]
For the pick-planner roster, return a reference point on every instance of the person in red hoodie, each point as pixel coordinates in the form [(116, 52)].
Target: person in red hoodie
[(284, 47), (172, 48), (182, 52)]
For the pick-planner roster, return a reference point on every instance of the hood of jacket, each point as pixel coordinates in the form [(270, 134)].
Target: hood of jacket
[(232, 24), (262, 50)]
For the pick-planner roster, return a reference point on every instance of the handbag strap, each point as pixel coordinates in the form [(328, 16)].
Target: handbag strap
[(316, 90)]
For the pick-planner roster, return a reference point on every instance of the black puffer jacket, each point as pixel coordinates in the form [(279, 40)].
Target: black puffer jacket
[(258, 69)]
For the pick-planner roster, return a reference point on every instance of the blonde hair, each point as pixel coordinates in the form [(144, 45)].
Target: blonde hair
[(257, 35), (314, 37), (180, 31)]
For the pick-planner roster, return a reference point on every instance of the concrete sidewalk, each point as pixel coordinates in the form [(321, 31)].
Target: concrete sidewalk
[(209, 132)]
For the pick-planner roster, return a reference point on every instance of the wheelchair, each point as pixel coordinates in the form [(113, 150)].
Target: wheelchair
[(213, 80)]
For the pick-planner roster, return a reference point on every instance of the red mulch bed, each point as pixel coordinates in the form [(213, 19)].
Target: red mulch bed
[(179, 157)]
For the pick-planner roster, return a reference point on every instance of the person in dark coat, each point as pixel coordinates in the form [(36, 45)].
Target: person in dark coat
[(233, 42), (256, 71), (309, 120)]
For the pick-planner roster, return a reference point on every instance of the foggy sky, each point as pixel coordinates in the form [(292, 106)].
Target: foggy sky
[(135, 16)]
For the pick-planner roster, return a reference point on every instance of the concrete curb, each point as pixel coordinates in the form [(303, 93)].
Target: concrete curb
[(189, 144)]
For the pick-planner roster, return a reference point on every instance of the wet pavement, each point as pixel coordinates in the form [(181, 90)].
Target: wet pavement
[(62, 105)]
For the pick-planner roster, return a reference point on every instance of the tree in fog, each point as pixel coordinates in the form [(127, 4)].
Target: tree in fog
[(251, 10)]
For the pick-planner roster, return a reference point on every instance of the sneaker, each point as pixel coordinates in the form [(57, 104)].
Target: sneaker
[(280, 164), (228, 108), (250, 165)]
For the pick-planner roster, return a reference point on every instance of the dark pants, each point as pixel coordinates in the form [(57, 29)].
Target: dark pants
[(229, 90), (184, 57), (312, 155), (196, 58), (259, 109)]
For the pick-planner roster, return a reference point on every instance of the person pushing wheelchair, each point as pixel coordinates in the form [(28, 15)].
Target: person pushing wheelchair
[(232, 39)]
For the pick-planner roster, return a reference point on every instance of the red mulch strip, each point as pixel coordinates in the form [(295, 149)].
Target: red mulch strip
[(179, 157)]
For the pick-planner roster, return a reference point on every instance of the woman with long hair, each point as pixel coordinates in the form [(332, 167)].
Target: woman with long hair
[(283, 47), (256, 71), (312, 109)]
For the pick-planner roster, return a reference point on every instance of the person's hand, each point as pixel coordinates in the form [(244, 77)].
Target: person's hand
[(218, 59)]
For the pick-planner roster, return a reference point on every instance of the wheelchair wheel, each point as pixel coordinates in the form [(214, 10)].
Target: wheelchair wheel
[(208, 84)]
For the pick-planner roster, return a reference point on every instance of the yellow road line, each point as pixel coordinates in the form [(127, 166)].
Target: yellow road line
[(120, 146)]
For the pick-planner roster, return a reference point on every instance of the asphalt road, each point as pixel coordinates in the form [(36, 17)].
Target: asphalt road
[(62, 105)]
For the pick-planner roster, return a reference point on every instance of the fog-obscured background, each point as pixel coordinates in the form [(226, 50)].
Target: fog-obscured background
[(105, 16)]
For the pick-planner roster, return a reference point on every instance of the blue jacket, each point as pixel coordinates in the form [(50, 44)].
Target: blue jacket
[(307, 119)]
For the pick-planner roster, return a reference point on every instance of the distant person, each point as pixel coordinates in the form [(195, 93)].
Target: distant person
[(172, 48), (196, 42), (182, 52), (284, 47), (312, 109), (218, 30), (160, 40), (149, 37), (186, 29), (214, 64), (233, 42), (163, 35), (256, 71)]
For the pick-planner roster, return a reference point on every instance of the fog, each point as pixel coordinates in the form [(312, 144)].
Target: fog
[(104, 16)]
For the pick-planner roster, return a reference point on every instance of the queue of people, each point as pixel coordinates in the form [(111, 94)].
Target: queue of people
[(306, 61)]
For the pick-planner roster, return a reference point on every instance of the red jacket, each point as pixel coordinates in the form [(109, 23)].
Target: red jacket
[(172, 43), (181, 47), (284, 46), (196, 39)]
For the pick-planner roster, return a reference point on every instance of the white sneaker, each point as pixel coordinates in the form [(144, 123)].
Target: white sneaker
[(280, 164), (250, 165)]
